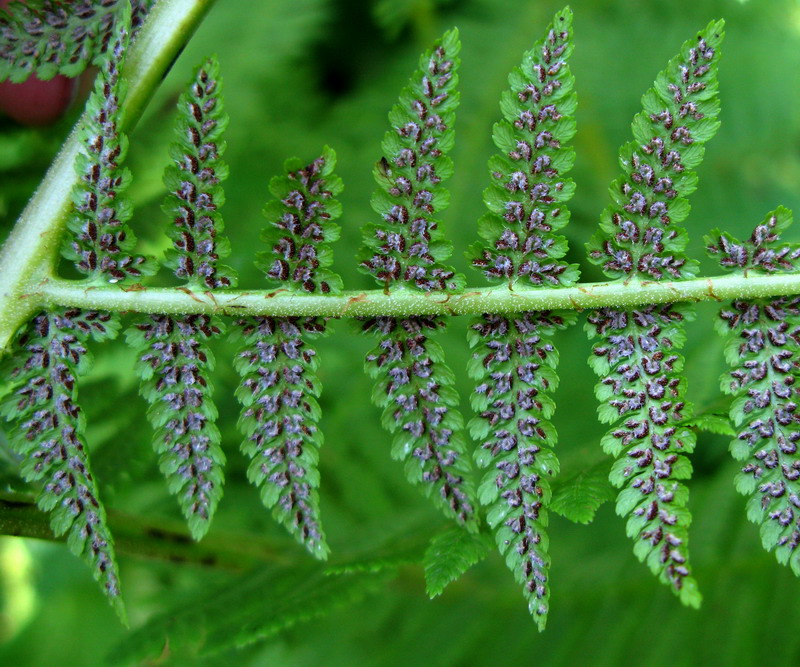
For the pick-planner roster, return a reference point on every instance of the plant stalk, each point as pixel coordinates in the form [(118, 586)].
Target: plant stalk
[(160, 540), (404, 303), (32, 247)]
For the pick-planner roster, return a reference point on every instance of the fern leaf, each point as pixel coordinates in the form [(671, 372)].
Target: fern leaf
[(415, 388), (527, 197), (642, 394), (174, 364), (763, 350), (54, 37), (641, 389), (301, 226), (193, 180), (101, 241), (279, 392), (514, 362), (279, 388), (449, 555), (48, 432), (579, 496), (514, 358), (407, 247), (763, 252), (639, 235)]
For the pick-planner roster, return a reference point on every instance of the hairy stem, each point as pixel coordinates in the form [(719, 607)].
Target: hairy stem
[(160, 540), (405, 303), (31, 249)]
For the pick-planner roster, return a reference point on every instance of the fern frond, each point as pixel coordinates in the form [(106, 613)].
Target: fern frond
[(449, 555), (48, 432), (579, 496), (415, 388), (193, 180), (101, 241), (56, 37), (527, 197), (279, 388), (279, 392), (642, 390), (407, 247), (514, 362), (249, 608), (301, 227), (763, 350), (174, 364), (513, 356)]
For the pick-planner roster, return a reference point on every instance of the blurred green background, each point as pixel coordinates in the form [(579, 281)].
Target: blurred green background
[(303, 73)]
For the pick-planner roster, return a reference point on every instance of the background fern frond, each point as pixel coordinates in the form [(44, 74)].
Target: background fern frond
[(301, 229), (527, 197), (420, 406), (175, 363), (407, 247), (450, 554), (101, 241), (48, 431), (56, 37), (579, 496), (279, 392), (194, 184)]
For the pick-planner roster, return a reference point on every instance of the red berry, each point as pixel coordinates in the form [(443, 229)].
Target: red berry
[(36, 102)]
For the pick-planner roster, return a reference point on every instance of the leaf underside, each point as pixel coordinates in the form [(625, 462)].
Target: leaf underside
[(642, 390)]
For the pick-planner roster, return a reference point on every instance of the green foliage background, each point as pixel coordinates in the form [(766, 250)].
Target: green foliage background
[(306, 73)]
